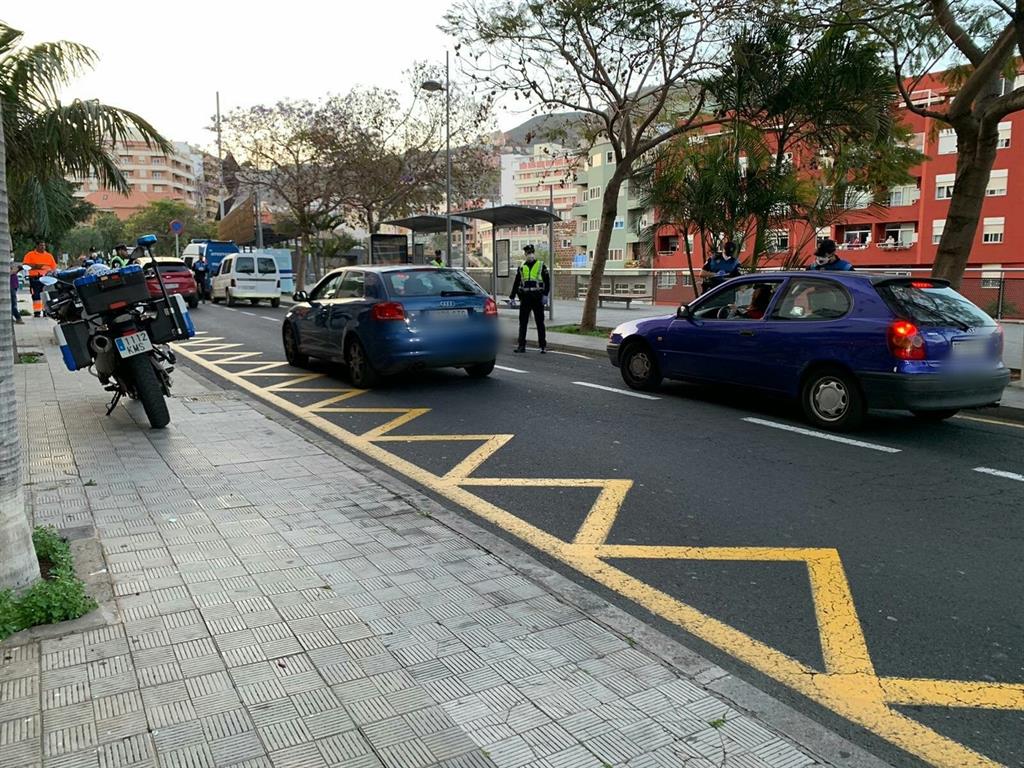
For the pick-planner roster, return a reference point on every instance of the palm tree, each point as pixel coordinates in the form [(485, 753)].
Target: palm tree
[(49, 141), (18, 564)]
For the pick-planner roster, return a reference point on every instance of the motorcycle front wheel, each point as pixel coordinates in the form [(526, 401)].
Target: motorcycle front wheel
[(148, 390)]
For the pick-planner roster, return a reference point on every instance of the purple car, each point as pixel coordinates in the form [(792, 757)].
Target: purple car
[(840, 342)]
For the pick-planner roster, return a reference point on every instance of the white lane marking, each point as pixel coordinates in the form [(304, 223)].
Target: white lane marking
[(250, 314), (824, 436), (510, 370), (616, 391), (1000, 473), (568, 354), (271, 319), (230, 309)]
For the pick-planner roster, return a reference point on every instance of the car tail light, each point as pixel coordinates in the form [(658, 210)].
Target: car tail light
[(388, 310), (905, 341), (233, 282), (490, 307), (922, 284)]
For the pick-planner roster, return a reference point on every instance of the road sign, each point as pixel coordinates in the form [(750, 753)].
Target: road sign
[(176, 227)]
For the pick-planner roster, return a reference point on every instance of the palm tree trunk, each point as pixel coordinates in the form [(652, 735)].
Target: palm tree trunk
[(18, 564)]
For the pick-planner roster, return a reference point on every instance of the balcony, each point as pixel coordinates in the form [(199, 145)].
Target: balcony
[(900, 246)]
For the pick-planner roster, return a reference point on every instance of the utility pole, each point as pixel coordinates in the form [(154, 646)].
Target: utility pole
[(259, 219), (551, 251), (448, 155), (220, 162)]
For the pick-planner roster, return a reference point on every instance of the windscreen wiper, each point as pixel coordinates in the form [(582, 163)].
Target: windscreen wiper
[(936, 313)]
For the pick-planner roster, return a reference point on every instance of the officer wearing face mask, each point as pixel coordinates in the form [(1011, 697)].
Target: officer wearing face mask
[(531, 286), (825, 259)]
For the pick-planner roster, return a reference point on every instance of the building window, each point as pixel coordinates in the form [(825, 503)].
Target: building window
[(609, 158), (944, 186), (993, 230), (158, 160), (905, 195), (1004, 135), (594, 193), (857, 198), (615, 254), (619, 224), (947, 141), (778, 240), (937, 226), (997, 183), (596, 160), (158, 174), (567, 243), (666, 279)]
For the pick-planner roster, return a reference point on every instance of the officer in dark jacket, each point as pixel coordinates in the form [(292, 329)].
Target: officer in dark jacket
[(531, 287), (826, 259)]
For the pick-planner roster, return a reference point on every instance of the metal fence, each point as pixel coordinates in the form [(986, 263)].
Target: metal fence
[(1000, 292)]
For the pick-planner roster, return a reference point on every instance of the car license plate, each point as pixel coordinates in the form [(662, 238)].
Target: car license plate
[(970, 347), (133, 344), (171, 286), (449, 314)]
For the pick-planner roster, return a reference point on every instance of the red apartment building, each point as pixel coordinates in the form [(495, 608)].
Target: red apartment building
[(903, 231)]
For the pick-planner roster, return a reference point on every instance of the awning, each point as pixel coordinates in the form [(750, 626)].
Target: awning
[(428, 223), (511, 215)]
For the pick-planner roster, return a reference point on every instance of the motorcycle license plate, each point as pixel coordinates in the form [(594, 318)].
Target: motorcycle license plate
[(133, 344)]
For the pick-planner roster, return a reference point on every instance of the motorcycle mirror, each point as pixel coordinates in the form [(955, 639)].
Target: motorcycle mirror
[(47, 280), (25, 268)]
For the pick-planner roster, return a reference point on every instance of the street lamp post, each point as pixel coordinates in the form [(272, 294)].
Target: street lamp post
[(434, 85)]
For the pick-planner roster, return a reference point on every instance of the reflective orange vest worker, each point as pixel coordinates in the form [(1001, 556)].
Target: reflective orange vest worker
[(40, 262)]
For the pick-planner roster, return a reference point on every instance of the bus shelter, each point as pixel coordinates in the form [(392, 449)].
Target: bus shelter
[(514, 216), (429, 224)]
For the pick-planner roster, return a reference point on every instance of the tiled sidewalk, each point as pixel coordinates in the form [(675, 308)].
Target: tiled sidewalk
[(275, 606)]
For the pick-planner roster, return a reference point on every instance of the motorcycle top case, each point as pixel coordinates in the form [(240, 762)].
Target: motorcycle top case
[(172, 323), (113, 290)]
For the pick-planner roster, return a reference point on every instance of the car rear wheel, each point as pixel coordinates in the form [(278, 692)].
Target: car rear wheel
[(832, 400), (229, 298), (480, 370), (639, 368), (214, 299), (292, 351), (275, 303), (936, 416), (360, 369)]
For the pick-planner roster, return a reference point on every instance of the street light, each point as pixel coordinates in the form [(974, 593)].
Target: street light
[(434, 86)]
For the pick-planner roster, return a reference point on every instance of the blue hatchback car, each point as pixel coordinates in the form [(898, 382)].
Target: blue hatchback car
[(840, 342), (389, 319)]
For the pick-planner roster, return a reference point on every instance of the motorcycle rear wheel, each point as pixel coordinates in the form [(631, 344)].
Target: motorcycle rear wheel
[(148, 390)]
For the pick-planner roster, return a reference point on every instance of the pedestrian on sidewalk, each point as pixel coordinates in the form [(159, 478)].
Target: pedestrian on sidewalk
[(532, 286), (40, 262), (15, 269)]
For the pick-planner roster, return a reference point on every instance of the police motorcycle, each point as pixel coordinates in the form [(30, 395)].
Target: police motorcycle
[(108, 324)]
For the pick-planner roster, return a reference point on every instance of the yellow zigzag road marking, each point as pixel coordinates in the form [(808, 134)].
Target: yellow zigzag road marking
[(849, 685)]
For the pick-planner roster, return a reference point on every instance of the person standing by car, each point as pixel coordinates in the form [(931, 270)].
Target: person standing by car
[(15, 269), (437, 261), (40, 262), (201, 270), (826, 259), (531, 286), (720, 268)]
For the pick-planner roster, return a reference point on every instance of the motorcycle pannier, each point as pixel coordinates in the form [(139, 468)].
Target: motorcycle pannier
[(171, 323), (73, 340), (114, 290)]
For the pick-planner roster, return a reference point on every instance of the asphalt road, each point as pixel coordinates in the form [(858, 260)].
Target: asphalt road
[(931, 547)]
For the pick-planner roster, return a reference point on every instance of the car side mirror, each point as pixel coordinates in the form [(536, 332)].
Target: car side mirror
[(300, 296), (683, 313)]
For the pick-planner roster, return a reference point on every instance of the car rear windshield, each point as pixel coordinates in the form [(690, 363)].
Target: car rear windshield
[(932, 304), (167, 266), (430, 282), (244, 265), (266, 266)]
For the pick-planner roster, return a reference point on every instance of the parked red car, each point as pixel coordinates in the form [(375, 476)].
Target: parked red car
[(177, 278)]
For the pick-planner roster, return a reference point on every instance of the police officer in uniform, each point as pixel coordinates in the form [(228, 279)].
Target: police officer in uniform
[(826, 259), (437, 260), (531, 286)]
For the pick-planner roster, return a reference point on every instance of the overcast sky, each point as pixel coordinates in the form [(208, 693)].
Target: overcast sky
[(166, 60)]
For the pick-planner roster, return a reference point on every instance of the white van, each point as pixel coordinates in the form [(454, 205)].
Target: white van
[(247, 276)]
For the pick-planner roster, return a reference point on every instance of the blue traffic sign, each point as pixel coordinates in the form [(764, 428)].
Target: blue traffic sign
[(176, 227)]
